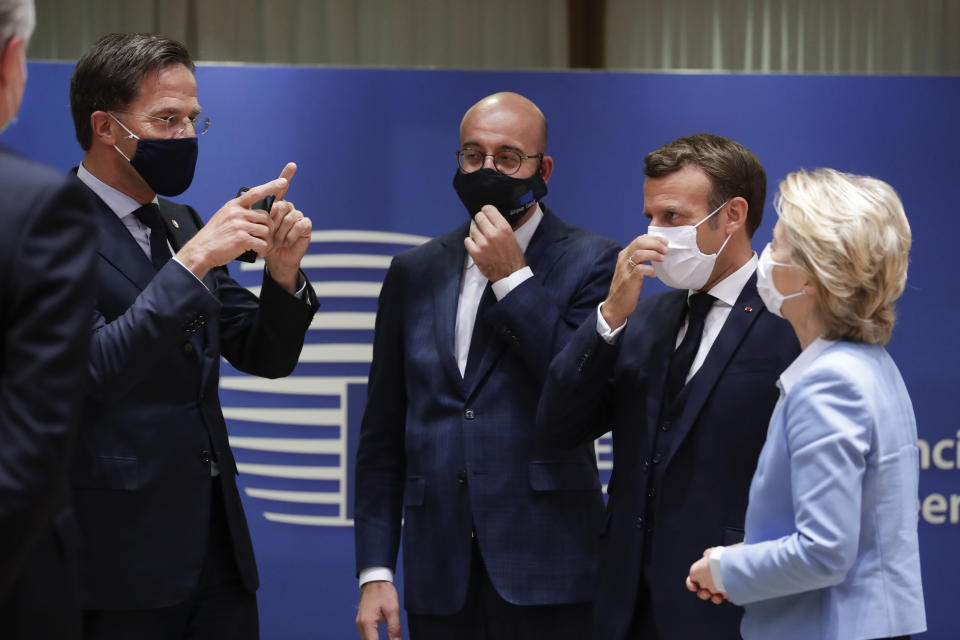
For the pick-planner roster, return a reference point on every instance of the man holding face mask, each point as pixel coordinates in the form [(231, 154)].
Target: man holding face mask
[(499, 530), (686, 379), (166, 550)]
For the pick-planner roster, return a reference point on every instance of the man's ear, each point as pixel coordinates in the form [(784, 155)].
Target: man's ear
[(546, 167), (13, 71), (736, 215), (11, 57), (102, 125)]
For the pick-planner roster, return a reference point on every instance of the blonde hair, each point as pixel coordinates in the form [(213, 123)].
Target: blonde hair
[(850, 234)]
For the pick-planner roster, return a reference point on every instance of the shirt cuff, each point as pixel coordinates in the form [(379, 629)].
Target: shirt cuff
[(373, 574), (715, 568), (609, 336), (300, 293), (504, 286)]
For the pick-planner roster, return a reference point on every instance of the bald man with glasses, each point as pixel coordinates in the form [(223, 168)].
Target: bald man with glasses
[(500, 530)]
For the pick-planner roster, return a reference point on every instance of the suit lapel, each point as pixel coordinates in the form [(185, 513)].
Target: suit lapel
[(446, 294), (742, 316), (119, 248), (670, 313), (180, 228), (542, 253)]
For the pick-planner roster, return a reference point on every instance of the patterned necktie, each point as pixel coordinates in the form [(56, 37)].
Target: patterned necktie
[(682, 358), (149, 215)]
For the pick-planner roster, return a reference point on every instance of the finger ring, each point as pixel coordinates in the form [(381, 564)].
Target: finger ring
[(633, 265)]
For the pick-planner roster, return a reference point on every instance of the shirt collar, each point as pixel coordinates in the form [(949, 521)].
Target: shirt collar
[(728, 290), (802, 362), (523, 233), (120, 203)]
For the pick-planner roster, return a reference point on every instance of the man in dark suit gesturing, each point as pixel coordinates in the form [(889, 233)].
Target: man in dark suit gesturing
[(499, 529), (166, 549), (46, 300), (687, 382)]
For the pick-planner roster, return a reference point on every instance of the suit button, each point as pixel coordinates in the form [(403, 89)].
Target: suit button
[(657, 458), (187, 347), (665, 426), (639, 522), (205, 457), (469, 414), (652, 492), (462, 477), (646, 466)]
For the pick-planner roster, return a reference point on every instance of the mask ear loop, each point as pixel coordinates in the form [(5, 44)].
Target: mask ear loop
[(704, 220), (131, 134)]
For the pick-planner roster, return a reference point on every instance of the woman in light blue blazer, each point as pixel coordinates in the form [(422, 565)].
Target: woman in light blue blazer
[(830, 548)]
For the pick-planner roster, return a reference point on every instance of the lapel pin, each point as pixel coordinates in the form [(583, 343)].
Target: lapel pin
[(748, 309), (176, 225)]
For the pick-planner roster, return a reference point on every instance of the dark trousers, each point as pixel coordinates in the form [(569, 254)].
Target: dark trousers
[(220, 608), (44, 602), (643, 627), (487, 616)]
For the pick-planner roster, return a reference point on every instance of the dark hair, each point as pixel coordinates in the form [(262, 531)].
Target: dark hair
[(731, 167), (107, 76)]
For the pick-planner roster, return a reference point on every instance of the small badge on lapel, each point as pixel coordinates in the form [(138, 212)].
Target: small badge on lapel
[(748, 308), (176, 225)]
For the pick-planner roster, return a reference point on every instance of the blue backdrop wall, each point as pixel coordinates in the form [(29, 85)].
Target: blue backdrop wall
[(376, 155)]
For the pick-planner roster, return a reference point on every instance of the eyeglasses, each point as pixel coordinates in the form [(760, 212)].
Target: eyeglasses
[(173, 126), (506, 162)]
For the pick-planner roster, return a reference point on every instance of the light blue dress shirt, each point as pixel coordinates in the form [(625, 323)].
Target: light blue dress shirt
[(831, 546)]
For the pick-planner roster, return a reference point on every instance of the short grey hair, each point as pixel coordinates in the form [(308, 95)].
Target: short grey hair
[(17, 18)]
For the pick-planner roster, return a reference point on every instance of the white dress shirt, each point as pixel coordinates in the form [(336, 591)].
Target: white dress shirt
[(472, 285), (726, 293)]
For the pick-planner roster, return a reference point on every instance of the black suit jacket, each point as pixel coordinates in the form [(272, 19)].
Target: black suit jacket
[(680, 482), (152, 419), (46, 299)]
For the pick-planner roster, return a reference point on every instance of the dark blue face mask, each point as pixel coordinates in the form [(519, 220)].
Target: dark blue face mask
[(165, 164), (511, 196)]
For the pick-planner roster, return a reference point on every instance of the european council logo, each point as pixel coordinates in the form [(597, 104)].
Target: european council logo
[(295, 438)]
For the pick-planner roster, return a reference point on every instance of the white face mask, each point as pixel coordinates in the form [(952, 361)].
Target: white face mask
[(685, 266), (771, 296)]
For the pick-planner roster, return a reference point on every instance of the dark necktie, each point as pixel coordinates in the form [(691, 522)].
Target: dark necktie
[(682, 358), (481, 332), (149, 215)]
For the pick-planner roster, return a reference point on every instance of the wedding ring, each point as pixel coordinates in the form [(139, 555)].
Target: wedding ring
[(633, 265)]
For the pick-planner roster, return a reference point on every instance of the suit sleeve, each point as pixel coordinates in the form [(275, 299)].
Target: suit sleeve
[(45, 307), (828, 432), (381, 466), (576, 402), (536, 324), (263, 337), (258, 336)]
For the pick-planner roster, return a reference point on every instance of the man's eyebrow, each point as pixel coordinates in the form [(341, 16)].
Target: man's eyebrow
[(502, 147)]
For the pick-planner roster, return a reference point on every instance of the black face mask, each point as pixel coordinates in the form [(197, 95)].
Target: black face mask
[(165, 164), (511, 196)]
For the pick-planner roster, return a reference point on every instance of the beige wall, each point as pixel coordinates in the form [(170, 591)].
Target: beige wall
[(805, 36)]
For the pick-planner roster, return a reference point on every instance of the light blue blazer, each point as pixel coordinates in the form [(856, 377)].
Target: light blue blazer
[(830, 548)]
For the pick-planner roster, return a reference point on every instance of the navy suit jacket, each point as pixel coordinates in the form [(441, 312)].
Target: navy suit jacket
[(152, 420), (680, 482), (46, 298), (452, 454)]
